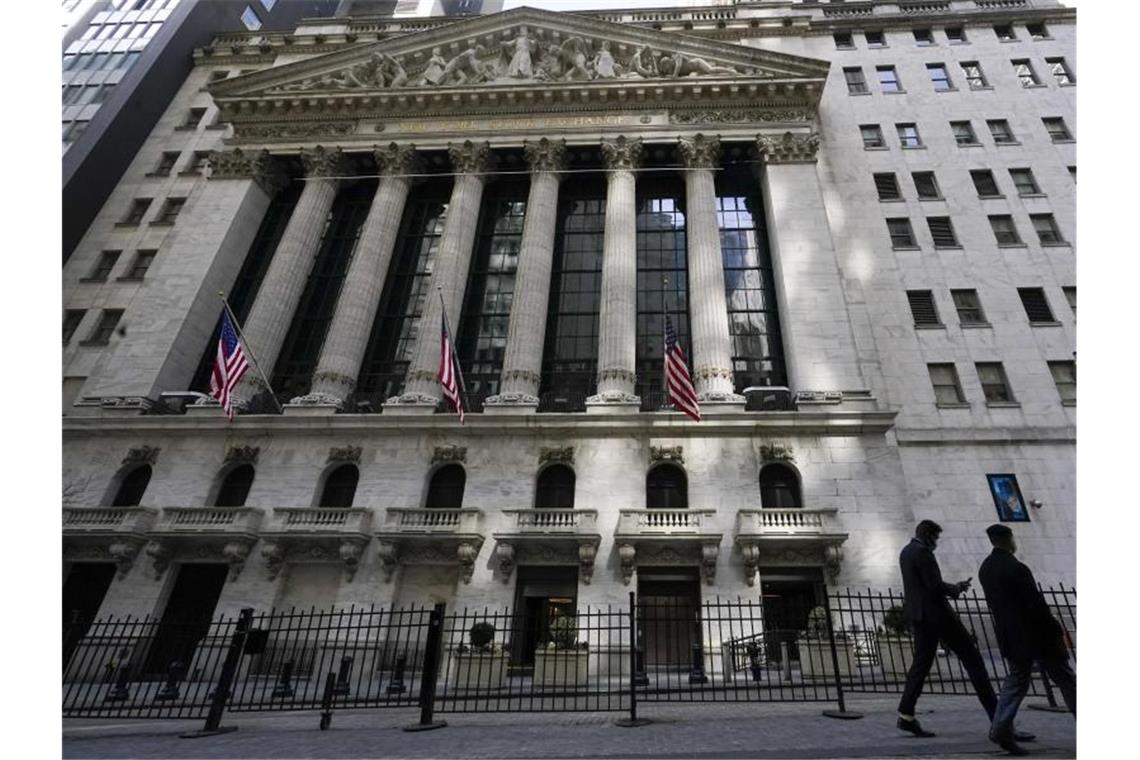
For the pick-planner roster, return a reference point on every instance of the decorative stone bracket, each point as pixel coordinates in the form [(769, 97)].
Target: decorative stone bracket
[(776, 452), (709, 554), (236, 553), (505, 554), (449, 454), (124, 553), (466, 553), (274, 555), (350, 552), (666, 454), (142, 455), (388, 553), (242, 454), (547, 455), (833, 561), (628, 555), (345, 454), (587, 553), (751, 554), (159, 554)]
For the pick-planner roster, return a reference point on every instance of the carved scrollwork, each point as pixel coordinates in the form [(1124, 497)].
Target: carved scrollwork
[(616, 373), (545, 155), (259, 166), (627, 553), (294, 130), (389, 555), (751, 554), (587, 553), (350, 553), (700, 151), (274, 556), (709, 554), (142, 455), (833, 561), (666, 454), (776, 452), (562, 455), (395, 159), (449, 454), (511, 399), (159, 555), (469, 158), (123, 553), (738, 116), (236, 553), (323, 162), (788, 148), (623, 153), (466, 553), (613, 397), (505, 556), (242, 454), (345, 454)]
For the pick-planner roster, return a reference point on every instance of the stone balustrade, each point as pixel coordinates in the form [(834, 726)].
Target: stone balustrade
[(546, 521), (665, 522), (208, 520), (785, 522), (445, 521), (309, 520), (105, 520)]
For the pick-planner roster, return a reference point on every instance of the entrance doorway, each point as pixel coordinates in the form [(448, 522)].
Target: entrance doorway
[(541, 594), (788, 596), (187, 616), (670, 602), (83, 594)]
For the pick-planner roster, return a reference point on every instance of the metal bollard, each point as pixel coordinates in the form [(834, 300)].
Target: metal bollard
[(173, 677), (697, 670), (284, 687), (396, 685), (341, 689)]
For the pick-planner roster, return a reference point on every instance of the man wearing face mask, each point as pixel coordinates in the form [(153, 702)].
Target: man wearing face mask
[(925, 601)]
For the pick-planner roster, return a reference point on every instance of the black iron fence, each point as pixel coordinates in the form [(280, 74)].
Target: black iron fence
[(653, 649)]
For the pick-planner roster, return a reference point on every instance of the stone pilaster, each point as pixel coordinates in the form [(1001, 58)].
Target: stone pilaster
[(280, 291), (708, 311), (449, 276), (617, 339), (522, 361), (819, 346), (344, 346)]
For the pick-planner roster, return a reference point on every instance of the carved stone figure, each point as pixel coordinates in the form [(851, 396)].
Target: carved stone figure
[(643, 63), (549, 64), (522, 48), (392, 71), (678, 65), (433, 72), (605, 67), (573, 57), (465, 67)]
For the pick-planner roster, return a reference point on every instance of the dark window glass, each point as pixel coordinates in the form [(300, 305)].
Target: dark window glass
[(923, 37), (1047, 230), (843, 41), (137, 210), (555, 489), (985, 183), (856, 82), (140, 266), (1056, 128), (71, 320), (445, 491), (1005, 231), (995, 385), (104, 266), (923, 308), (969, 307), (340, 487), (1037, 31), (193, 118), (944, 379), (926, 185), (1001, 132), (1004, 32), (1065, 378), (170, 211), (963, 133), (875, 39), (955, 34), (872, 135), (165, 164), (132, 487), (942, 230), (235, 487), (1071, 296), (1036, 305), (103, 331), (1024, 181), (666, 488), (779, 488), (197, 162), (908, 135), (901, 234), (887, 186)]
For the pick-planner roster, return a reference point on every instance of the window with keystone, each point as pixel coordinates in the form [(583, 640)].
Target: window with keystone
[(235, 487), (779, 488), (666, 488), (340, 487), (445, 489)]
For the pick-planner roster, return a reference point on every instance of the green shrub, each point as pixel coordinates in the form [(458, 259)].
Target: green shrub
[(895, 622), (481, 635)]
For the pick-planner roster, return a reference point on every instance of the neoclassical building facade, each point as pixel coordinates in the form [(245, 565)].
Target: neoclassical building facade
[(858, 216)]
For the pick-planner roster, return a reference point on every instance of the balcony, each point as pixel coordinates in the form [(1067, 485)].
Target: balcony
[(204, 533), (668, 536), (431, 536), (315, 532), (543, 535), (811, 535), (114, 533)]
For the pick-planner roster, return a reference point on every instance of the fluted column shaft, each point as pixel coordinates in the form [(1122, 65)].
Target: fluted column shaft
[(708, 312), (280, 291), (347, 338), (522, 361), (449, 272), (617, 338)]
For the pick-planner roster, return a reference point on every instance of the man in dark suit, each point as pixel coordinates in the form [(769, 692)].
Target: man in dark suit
[(1026, 630), (931, 617)]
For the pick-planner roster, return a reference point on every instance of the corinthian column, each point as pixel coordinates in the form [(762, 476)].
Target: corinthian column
[(523, 358), (347, 338), (617, 339), (289, 270), (449, 275), (708, 315)]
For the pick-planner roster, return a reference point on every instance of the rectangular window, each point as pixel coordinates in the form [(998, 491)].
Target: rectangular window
[(908, 135), (1001, 132), (1025, 73), (1037, 31), (142, 262), (1004, 32), (939, 77), (947, 389), (1056, 128), (872, 135), (887, 186), (197, 163), (1071, 296), (1047, 230), (926, 185), (137, 210), (923, 37), (995, 385), (165, 164), (69, 62), (193, 118), (89, 94), (844, 41), (1036, 305), (923, 308), (964, 133), (902, 236), (955, 34), (103, 266), (888, 79), (875, 39), (103, 331), (985, 184), (942, 231), (169, 211), (1007, 498), (1024, 181), (71, 320), (856, 82), (1005, 231), (1060, 71), (71, 93), (1065, 378), (1073, 173), (968, 306)]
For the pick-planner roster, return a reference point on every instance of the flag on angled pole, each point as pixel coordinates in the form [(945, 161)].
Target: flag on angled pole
[(229, 365), (678, 382), (449, 374)]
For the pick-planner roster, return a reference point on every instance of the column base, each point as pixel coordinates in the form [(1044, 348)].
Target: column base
[(298, 408), (732, 405), (613, 402), (411, 403), (511, 404)]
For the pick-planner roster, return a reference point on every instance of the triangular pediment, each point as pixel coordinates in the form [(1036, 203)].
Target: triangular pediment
[(522, 50)]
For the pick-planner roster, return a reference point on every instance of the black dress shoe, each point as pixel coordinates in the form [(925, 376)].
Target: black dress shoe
[(1010, 745), (1024, 736), (914, 727)]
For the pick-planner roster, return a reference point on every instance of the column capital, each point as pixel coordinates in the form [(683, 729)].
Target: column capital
[(622, 153), (323, 162), (788, 148), (237, 164), (700, 151), (468, 157), (394, 159), (546, 155)]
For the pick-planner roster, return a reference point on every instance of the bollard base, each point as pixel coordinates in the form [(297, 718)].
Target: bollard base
[(425, 726), (208, 732), (632, 722), (842, 714), (1049, 708)]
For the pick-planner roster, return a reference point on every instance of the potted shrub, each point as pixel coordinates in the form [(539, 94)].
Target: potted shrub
[(483, 663), (896, 649), (564, 660), (815, 648)]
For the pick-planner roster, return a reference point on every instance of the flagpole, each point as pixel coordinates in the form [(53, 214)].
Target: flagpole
[(664, 347), (454, 351), (249, 349)]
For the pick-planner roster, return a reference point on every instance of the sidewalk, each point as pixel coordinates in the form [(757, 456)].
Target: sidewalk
[(679, 731)]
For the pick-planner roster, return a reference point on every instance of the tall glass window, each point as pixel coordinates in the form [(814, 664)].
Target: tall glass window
[(482, 330), (749, 283), (570, 357), (660, 258), (301, 349), (405, 289)]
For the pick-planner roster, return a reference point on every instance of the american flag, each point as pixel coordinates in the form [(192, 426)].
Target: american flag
[(229, 365), (678, 381), (448, 370)]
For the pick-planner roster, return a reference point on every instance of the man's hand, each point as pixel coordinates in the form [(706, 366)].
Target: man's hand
[(963, 585)]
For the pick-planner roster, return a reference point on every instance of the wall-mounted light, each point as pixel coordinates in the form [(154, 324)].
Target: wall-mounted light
[(1035, 503)]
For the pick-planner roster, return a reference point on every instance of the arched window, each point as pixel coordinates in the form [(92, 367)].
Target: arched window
[(779, 487), (446, 488), (666, 488), (340, 487), (132, 486), (235, 487), (555, 488)]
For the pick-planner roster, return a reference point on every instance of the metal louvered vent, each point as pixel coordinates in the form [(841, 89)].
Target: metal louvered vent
[(942, 231), (1036, 306), (922, 307), (887, 186)]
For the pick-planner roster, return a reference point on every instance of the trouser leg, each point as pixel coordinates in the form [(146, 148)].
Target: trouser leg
[(1013, 690), (958, 641), (925, 645), (1063, 677)]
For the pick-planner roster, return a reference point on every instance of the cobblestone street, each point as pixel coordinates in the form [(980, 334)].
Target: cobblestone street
[(677, 731)]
